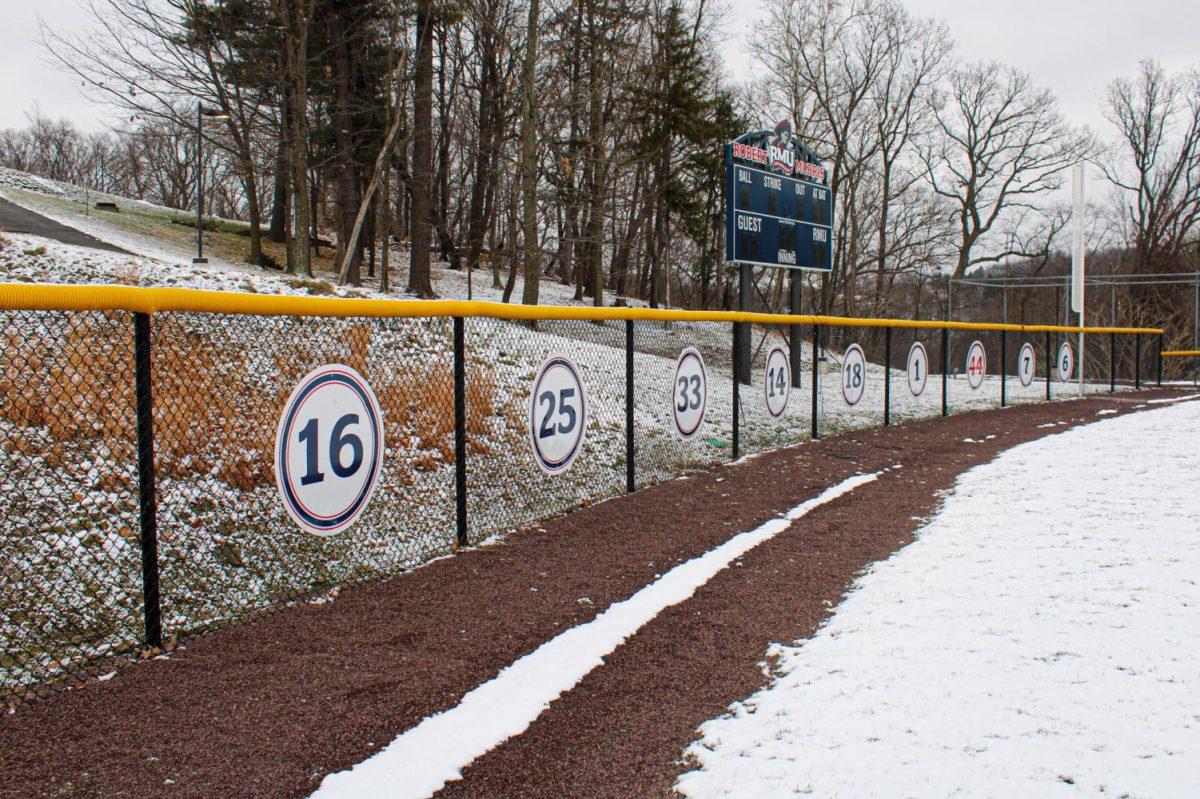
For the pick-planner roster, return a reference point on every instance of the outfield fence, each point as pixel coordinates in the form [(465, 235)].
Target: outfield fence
[(144, 432)]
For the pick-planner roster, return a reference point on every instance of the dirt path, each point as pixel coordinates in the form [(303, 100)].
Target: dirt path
[(267, 709)]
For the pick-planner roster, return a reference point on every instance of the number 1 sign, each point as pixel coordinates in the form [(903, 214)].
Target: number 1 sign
[(918, 368), (557, 415), (329, 449)]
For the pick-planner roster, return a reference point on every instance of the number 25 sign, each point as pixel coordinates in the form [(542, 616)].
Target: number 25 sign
[(557, 414), (329, 449)]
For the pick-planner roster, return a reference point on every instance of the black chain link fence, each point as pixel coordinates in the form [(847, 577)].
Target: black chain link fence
[(90, 574)]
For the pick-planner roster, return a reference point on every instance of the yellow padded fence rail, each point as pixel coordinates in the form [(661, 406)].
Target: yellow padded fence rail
[(41, 297), (1180, 353)]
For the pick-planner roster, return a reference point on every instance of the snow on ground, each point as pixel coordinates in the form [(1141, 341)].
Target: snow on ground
[(1038, 639), (421, 760)]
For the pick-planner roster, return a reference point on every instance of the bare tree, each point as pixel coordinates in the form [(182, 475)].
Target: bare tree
[(1156, 163), (1003, 144)]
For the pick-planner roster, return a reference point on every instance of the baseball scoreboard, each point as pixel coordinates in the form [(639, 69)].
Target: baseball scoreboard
[(778, 210)]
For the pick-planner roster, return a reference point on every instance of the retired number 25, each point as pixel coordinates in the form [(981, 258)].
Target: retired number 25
[(565, 409)]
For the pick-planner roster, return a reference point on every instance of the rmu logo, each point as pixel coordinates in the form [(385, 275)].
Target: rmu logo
[(780, 151), (780, 155)]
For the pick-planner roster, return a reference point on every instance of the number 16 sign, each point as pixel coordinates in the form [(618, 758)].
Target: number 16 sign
[(329, 449)]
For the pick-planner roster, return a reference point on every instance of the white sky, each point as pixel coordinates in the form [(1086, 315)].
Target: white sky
[(1071, 46)]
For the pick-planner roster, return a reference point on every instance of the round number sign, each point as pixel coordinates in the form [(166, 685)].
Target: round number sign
[(1026, 364), (557, 415), (689, 393), (976, 364), (778, 385), (329, 449), (1066, 362), (918, 368), (854, 374)]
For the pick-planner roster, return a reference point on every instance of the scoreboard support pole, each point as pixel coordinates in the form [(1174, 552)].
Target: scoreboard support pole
[(794, 332), (745, 286)]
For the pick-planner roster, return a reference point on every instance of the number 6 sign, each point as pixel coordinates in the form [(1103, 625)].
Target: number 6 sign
[(557, 415), (329, 449), (1066, 362)]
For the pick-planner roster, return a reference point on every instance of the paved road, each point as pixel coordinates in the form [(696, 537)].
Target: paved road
[(15, 219)]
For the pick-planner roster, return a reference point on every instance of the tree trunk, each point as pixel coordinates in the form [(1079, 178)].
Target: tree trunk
[(529, 176), (296, 15), (279, 200), (419, 278)]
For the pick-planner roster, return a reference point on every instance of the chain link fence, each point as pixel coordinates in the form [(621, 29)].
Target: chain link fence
[(139, 453)]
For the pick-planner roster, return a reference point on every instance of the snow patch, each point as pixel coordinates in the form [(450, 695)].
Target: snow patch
[(1039, 638)]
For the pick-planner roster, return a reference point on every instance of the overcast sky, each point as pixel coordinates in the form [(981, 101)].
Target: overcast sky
[(1073, 47)]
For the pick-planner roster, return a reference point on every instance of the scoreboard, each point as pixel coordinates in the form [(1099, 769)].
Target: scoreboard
[(773, 218)]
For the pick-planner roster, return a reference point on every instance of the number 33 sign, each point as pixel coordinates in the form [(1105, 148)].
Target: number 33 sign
[(689, 393), (329, 449), (557, 415)]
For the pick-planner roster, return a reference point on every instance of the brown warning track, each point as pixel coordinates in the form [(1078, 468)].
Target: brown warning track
[(267, 709)]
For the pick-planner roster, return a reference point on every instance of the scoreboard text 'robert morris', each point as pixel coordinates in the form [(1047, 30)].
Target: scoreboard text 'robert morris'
[(778, 210)]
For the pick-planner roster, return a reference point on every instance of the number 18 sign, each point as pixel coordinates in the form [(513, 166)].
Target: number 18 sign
[(329, 449)]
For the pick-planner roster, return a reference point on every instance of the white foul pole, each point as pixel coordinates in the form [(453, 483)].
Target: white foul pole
[(1077, 257)]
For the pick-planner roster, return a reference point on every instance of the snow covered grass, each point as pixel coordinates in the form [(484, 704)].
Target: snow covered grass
[(1039, 638)]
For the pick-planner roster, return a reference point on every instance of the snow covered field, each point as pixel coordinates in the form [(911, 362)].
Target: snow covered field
[(1039, 639)]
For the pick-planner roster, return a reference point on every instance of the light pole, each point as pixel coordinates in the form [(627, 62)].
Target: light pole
[(201, 113)]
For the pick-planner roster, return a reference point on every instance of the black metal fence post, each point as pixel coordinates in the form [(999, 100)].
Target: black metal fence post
[(1160, 352), (1112, 363), (816, 349), (1048, 364), (887, 376), (148, 517), (1137, 361), (945, 371), (460, 433), (737, 360), (1003, 368), (629, 463)]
